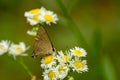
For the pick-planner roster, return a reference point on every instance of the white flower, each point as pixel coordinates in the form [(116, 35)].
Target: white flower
[(57, 66), (33, 15), (33, 12), (4, 44), (63, 70), (48, 61), (41, 16), (32, 33), (18, 49), (80, 52), (50, 74), (48, 17), (32, 22), (63, 57), (79, 65)]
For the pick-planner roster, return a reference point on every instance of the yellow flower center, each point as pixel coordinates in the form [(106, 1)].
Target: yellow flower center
[(66, 58), (19, 49), (51, 74), (2, 47), (78, 52), (48, 59), (34, 11), (78, 64), (36, 17), (48, 17), (61, 68)]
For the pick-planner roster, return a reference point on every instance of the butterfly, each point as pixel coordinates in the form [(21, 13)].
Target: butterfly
[(42, 45)]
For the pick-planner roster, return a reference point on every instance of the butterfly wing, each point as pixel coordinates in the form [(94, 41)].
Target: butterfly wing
[(42, 46)]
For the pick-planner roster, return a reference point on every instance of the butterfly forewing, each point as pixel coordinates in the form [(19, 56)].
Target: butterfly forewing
[(42, 46)]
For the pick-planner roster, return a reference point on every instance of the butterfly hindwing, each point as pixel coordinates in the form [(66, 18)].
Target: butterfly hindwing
[(42, 46)]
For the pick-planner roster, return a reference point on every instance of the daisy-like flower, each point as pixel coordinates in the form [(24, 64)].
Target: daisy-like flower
[(63, 70), (31, 32), (33, 12), (4, 46), (33, 16), (50, 74), (18, 49), (63, 58), (80, 52), (48, 17), (78, 65), (48, 61)]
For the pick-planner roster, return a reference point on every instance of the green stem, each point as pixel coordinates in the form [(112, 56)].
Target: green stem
[(22, 64), (25, 67), (71, 24)]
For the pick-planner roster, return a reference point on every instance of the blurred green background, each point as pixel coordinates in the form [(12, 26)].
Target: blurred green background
[(91, 24)]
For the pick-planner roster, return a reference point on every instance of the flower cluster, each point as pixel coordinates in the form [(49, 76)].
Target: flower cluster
[(58, 65), (40, 17), (13, 49)]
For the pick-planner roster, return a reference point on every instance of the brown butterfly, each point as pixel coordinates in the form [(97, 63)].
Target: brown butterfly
[(43, 45)]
